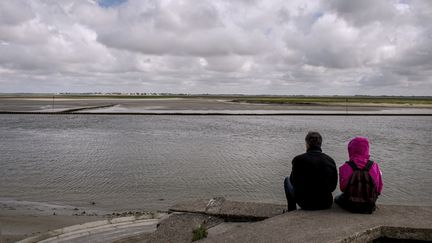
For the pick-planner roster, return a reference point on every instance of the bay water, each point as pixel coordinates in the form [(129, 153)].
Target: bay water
[(126, 162)]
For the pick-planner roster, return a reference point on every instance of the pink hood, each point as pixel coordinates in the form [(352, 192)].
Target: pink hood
[(358, 150)]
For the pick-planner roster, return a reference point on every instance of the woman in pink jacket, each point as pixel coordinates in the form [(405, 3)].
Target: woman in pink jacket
[(358, 150)]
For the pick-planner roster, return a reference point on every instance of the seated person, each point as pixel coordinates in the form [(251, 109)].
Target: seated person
[(359, 179), (313, 177)]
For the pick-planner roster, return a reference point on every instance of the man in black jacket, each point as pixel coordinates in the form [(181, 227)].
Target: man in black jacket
[(313, 177)]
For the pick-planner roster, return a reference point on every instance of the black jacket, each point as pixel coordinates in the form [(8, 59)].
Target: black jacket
[(314, 178)]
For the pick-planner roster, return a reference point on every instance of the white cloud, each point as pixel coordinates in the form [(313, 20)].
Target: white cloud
[(15, 12), (280, 47)]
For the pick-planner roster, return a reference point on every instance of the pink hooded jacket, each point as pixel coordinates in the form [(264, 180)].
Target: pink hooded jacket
[(358, 150)]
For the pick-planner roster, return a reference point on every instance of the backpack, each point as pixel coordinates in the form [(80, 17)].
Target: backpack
[(361, 192)]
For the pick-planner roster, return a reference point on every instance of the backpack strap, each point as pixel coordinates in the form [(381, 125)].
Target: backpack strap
[(352, 165), (368, 165)]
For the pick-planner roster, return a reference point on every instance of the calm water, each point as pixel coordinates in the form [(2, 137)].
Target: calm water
[(150, 162)]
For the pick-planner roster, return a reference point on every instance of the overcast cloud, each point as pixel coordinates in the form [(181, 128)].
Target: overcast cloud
[(217, 46)]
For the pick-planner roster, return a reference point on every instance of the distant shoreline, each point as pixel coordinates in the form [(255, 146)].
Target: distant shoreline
[(210, 114), (212, 105), (250, 99)]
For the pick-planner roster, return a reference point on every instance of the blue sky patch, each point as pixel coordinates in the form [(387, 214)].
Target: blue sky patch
[(110, 3), (317, 15)]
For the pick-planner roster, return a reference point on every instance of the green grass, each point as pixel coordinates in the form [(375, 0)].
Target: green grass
[(323, 100), (334, 100), (199, 233)]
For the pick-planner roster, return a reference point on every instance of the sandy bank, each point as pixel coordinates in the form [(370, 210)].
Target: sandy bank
[(20, 219), (17, 227)]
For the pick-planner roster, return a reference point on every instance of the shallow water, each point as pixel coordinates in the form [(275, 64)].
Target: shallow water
[(151, 162)]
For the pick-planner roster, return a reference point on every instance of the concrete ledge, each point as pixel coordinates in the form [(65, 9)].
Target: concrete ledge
[(100, 228), (390, 232), (230, 210), (333, 225), (336, 225)]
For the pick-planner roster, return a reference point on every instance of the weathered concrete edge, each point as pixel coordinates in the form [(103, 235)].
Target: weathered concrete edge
[(381, 230), (226, 217), (85, 226), (376, 229), (424, 234), (233, 211)]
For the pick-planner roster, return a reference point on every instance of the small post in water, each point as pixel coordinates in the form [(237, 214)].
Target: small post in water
[(53, 104), (346, 105)]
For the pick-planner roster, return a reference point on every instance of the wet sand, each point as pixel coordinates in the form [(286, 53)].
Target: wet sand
[(18, 227), (21, 219)]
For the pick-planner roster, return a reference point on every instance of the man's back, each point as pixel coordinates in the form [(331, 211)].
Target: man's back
[(314, 177)]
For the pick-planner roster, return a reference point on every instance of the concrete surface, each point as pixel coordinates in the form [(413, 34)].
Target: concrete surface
[(224, 227), (336, 225), (109, 230), (179, 228), (333, 225), (231, 210)]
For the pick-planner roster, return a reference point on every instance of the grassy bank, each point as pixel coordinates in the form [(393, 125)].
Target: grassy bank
[(336, 100), (254, 99)]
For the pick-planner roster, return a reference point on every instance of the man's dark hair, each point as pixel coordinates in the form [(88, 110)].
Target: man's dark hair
[(313, 139)]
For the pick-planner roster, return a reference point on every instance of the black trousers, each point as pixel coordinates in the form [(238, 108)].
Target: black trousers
[(290, 194)]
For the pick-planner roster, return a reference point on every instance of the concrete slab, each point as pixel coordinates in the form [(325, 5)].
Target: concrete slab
[(108, 230), (336, 225), (179, 227), (231, 210), (193, 206), (224, 227), (332, 225)]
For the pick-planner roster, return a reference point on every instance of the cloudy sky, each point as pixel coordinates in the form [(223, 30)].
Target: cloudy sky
[(217, 46)]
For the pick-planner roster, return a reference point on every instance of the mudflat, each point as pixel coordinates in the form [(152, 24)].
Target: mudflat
[(185, 104), (20, 219)]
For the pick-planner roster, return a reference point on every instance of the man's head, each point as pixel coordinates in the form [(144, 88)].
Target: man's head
[(313, 139)]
